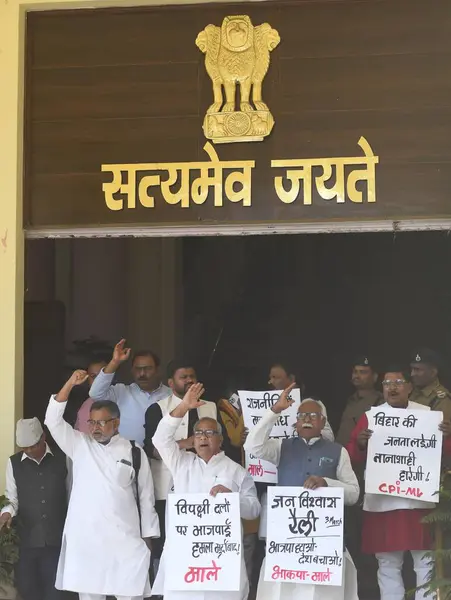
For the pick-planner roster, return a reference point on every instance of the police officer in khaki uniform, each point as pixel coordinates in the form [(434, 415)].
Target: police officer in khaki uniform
[(428, 390), (364, 379)]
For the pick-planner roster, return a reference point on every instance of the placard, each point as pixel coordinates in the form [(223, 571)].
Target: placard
[(203, 543), (305, 535), (404, 453), (254, 405)]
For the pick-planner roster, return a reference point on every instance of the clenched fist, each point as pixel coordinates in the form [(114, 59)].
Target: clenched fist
[(284, 400), (78, 377)]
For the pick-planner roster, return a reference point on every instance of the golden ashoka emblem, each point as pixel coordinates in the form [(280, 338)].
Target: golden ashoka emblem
[(238, 123)]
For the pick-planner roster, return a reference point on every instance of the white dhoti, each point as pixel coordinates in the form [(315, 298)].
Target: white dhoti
[(269, 590), (390, 578)]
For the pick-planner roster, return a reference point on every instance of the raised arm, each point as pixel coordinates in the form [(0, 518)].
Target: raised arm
[(150, 526), (61, 431), (258, 441), (260, 444), (164, 441), (101, 389)]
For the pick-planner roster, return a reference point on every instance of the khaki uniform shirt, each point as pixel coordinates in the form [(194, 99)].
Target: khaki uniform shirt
[(435, 396), (356, 406)]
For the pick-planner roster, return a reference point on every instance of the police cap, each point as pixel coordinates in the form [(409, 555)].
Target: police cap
[(426, 356), (363, 361)]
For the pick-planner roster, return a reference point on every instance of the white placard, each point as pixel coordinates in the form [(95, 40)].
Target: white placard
[(254, 405), (203, 543), (304, 542), (404, 453)]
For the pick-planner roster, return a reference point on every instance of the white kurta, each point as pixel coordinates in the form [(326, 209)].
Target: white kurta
[(102, 549), (162, 479), (260, 445), (193, 475)]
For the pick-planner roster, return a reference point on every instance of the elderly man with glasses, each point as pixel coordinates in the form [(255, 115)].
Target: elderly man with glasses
[(311, 461), (208, 470), (111, 515), (392, 525)]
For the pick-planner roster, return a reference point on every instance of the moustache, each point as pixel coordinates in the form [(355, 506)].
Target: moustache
[(307, 426)]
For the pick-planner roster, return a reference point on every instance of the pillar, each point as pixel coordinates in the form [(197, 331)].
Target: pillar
[(11, 233)]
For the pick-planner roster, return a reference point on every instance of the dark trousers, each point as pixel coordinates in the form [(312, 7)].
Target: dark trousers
[(158, 544), (36, 573)]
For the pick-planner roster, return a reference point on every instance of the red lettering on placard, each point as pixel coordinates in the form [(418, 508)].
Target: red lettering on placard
[(200, 574), (390, 488)]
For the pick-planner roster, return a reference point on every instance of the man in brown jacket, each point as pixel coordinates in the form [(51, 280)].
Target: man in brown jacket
[(425, 365), (364, 379)]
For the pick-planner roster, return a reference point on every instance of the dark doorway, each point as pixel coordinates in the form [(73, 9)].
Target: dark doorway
[(316, 300)]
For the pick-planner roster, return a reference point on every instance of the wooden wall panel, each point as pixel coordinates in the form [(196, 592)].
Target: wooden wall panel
[(129, 86), (364, 82), (115, 91), (92, 139), (113, 37), (362, 28)]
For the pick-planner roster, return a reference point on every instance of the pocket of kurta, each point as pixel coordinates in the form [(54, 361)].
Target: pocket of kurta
[(124, 474)]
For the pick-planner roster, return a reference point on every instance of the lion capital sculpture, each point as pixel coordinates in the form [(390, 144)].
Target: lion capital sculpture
[(238, 54)]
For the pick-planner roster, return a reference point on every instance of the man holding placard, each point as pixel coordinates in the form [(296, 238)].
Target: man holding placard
[(207, 471), (311, 462), (401, 442)]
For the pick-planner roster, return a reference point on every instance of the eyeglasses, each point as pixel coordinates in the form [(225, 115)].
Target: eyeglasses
[(312, 415), (209, 433), (393, 382), (101, 422)]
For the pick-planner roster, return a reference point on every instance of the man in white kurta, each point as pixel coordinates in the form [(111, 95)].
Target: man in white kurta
[(207, 471), (302, 455), (104, 548)]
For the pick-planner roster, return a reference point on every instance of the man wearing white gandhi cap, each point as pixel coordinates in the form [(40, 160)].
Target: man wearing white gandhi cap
[(36, 493), (28, 432)]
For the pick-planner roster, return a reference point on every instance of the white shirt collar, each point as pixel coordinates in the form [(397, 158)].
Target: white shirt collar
[(47, 451), (144, 391), (213, 459), (311, 441)]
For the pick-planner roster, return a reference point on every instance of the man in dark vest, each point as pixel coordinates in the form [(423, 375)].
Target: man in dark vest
[(310, 461), (37, 496)]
